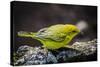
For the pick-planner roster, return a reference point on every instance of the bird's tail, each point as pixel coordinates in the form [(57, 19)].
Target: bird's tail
[(29, 34), (26, 34)]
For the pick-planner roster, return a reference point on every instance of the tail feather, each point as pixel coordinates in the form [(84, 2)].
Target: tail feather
[(26, 34), (29, 34)]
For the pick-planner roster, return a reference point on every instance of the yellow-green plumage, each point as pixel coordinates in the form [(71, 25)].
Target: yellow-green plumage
[(55, 36)]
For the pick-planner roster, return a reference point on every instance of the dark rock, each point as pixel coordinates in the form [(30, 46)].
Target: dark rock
[(79, 51), (86, 48)]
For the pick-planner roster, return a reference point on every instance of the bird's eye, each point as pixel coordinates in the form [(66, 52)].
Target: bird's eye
[(74, 31)]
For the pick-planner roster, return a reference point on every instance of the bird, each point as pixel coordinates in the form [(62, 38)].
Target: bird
[(53, 37)]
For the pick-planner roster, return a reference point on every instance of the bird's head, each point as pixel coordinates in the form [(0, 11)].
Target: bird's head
[(72, 30)]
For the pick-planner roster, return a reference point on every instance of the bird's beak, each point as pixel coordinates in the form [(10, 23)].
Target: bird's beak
[(78, 30)]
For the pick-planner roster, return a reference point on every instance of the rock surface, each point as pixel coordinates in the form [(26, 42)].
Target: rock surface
[(79, 51)]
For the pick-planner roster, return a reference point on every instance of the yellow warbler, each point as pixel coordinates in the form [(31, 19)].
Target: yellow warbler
[(55, 36)]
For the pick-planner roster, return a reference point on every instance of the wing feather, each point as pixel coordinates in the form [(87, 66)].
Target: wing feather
[(54, 33)]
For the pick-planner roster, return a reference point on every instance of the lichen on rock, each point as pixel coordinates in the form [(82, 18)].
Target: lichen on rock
[(86, 47), (79, 51)]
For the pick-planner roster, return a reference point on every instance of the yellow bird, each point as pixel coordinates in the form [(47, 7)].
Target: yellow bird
[(55, 36)]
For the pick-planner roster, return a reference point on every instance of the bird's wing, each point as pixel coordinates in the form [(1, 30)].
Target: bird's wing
[(51, 34), (56, 37)]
